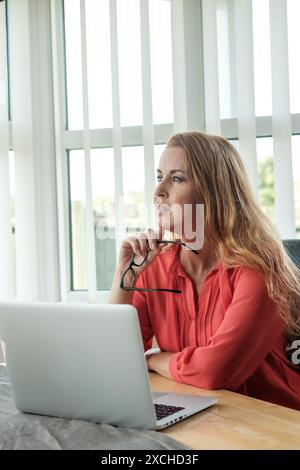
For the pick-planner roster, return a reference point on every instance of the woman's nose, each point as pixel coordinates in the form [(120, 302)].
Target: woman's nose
[(160, 191)]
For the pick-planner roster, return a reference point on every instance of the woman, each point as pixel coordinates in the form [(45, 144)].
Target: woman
[(239, 305)]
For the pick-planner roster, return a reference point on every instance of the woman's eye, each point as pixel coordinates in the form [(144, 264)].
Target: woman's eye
[(176, 179)]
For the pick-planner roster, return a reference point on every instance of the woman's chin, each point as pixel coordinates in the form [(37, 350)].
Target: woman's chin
[(165, 227)]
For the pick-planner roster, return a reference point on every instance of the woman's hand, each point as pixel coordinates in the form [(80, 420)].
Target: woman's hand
[(140, 245), (159, 363)]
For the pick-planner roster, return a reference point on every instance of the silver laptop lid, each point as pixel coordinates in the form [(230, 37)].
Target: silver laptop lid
[(82, 361)]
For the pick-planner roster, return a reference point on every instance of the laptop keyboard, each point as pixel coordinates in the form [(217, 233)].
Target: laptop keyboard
[(162, 411)]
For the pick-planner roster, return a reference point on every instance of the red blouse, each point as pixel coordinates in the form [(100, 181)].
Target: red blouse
[(230, 337)]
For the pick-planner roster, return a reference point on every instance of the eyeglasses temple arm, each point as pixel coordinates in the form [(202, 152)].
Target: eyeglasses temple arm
[(178, 243)]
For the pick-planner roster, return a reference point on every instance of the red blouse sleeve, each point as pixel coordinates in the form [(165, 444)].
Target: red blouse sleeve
[(139, 301), (250, 328)]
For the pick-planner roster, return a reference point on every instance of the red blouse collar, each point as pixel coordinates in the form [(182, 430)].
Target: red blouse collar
[(174, 266)]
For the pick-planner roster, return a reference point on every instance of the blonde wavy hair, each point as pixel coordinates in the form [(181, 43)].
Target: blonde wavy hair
[(234, 223)]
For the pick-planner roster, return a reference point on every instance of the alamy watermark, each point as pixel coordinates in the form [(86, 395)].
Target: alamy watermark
[(295, 356), (184, 221)]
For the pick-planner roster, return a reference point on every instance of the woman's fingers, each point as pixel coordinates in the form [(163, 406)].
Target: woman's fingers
[(145, 246), (145, 242), (154, 238), (148, 241), (136, 247)]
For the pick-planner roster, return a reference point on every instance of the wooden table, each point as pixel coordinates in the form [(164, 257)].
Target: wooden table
[(236, 422)]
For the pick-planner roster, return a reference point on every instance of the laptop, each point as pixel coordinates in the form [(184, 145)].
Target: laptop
[(86, 361)]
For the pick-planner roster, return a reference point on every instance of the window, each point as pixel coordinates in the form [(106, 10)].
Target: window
[(104, 217), (266, 177), (265, 163), (98, 56), (131, 74), (104, 209), (261, 56), (265, 168), (258, 69)]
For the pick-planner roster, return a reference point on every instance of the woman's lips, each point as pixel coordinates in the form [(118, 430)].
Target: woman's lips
[(163, 213), (163, 208)]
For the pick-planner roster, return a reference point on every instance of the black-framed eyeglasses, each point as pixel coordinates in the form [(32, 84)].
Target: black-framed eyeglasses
[(133, 262)]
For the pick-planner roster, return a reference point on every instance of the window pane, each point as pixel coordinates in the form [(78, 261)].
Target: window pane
[(102, 171), (161, 61), (262, 58), (134, 189), (129, 46), (99, 63), (296, 172), (129, 56), (264, 147), (77, 209), (102, 168), (265, 162), (73, 64), (294, 62)]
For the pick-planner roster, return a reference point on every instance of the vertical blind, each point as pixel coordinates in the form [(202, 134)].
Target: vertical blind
[(90, 245), (281, 119), (228, 24), (245, 100)]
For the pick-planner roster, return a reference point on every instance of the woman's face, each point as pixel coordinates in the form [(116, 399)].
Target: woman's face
[(175, 197)]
